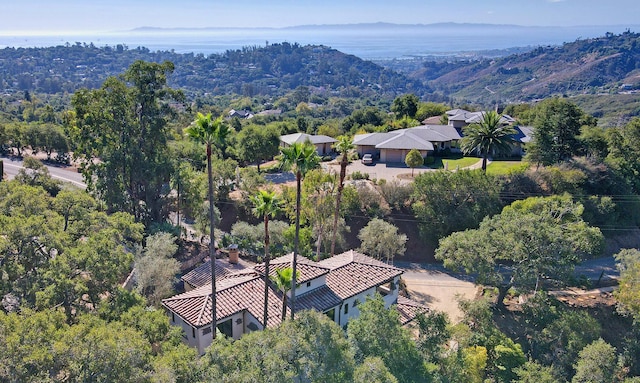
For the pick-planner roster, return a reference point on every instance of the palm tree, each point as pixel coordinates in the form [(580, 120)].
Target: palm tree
[(299, 158), (343, 146), (266, 204), (283, 281), (210, 132), (487, 137)]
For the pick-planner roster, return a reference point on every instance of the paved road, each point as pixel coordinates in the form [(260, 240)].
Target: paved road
[(594, 269), (13, 165)]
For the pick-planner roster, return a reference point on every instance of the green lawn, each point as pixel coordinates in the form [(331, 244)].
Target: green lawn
[(505, 167), (453, 162)]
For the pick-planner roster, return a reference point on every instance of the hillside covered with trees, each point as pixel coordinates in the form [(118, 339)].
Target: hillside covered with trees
[(270, 70), (608, 64)]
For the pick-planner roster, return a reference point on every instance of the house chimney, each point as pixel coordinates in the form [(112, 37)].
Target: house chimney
[(233, 253)]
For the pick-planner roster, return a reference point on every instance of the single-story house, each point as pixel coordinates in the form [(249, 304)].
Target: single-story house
[(322, 143), (459, 118), (334, 286), (270, 112), (393, 146), (242, 114), (524, 135)]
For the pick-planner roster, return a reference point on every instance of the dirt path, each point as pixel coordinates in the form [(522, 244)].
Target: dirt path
[(437, 289)]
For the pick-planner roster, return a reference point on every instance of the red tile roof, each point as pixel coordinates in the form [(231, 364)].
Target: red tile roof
[(348, 274), (353, 272), (321, 299), (409, 309), (234, 294), (308, 269), (201, 275)]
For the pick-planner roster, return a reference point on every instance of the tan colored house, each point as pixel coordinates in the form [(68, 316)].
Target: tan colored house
[(459, 118), (334, 286), (393, 146), (322, 143)]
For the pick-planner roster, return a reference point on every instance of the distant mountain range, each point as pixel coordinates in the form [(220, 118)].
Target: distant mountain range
[(393, 26)]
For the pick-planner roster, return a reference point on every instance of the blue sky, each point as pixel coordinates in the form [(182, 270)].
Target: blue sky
[(36, 16)]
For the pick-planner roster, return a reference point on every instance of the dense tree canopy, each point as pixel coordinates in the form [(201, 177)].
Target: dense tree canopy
[(446, 202), (557, 125), (624, 152), (405, 106), (120, 135), (531, 241), (255, 144), (60, 257), (311, 348), (377, 333), (628, 294)]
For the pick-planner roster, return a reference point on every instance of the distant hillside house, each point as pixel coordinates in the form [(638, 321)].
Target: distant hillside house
[(393, 146), (322, 143), (242, 114), (334, 286), (270, 112)]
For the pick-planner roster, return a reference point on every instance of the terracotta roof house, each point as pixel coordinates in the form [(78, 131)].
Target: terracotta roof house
[(393, 146), (201, 275), (334, 286), (322, 143)]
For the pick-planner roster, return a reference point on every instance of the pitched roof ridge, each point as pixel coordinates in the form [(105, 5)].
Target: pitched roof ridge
[(430, 129), (402, 133), (204, 306), (287, 258)]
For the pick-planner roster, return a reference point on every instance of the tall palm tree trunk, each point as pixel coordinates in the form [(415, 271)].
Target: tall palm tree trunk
[(265, 314), (296, 244), (178, 212), (343, 175), (284, 305), (212, 244), (484, 161)]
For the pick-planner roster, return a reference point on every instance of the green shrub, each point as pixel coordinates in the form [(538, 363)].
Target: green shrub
[(359, 176)]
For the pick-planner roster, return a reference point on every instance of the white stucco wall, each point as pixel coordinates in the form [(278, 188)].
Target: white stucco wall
[(353, 311), (248, 320), (312, 284)]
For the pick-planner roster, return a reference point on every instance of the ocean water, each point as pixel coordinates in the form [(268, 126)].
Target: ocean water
[(373, 41)]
